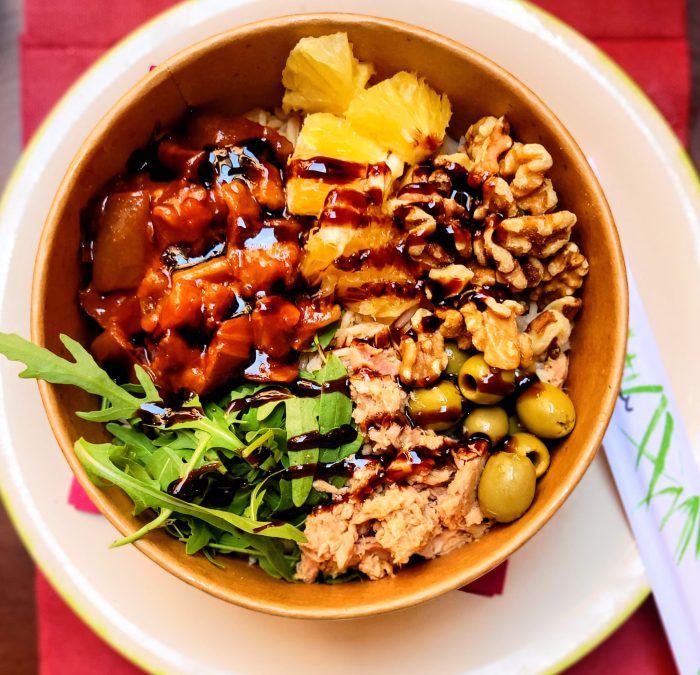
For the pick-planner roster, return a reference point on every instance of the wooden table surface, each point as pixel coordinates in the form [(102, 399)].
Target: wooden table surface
[(18, 655)]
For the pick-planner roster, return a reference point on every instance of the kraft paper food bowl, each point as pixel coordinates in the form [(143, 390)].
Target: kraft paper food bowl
[(239, 70)]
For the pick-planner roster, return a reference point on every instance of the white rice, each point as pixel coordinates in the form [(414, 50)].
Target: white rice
[(287, 125)]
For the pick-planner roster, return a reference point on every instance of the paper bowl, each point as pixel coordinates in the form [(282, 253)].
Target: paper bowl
[(239, 70)]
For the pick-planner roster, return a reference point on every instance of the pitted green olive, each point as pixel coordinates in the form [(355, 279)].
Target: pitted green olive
[(437, 408), (546, 411), (527, 445), (455, 358), (515, 426), (491, 421), (479, 383), (507, 486)]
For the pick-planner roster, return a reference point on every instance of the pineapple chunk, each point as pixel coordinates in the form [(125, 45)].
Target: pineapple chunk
[(322, 75), (325, 135), (383, 308), (306, 197), (402, 114), (329, 242), (372, 282)]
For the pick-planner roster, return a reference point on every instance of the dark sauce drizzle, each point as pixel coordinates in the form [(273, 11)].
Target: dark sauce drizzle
[(163, 416), (341, 435), (300, 387), (327, 169), (146, 160), (258, 399), (207, 480)]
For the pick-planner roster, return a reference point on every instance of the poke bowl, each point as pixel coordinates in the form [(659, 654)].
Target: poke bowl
[(392, 311)]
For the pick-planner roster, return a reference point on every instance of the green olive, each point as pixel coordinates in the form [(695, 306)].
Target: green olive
[(515, 426), (489, 420), (507, 486), (437, 408), (455, 358), (527, 445), (546, 411), (482, 384)]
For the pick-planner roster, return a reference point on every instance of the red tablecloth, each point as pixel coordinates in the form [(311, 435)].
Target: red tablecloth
[(62, 37)]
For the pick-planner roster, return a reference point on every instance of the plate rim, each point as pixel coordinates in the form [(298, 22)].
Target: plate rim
[(683, 165)]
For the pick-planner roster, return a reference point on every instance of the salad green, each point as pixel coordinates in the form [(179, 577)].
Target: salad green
[(219, 476)]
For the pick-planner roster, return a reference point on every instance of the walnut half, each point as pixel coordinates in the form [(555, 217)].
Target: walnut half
[(422, 359), (453, 279), (497, 336), (540, 236), (527, 164), (497, 198), (486, 140), (563, 275), (546, 329)]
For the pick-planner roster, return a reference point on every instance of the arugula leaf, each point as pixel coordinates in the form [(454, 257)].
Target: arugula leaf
[(232, 541), (96, 458), (128, 461), (335, 408), (332, 410), (275, 419), (197, 456), (176, 440), (332, 370), (134, 439), (333, 455), (217, 414), (211, 557), (241, 500), (256, 499), (351, 575), (260, 440), (301, 419), (159, 521), (266, 409), (325, 337), (283, 501), (84, 373), (221, 435), (164, 466), (200, 536), (271, 558), (269, 553)]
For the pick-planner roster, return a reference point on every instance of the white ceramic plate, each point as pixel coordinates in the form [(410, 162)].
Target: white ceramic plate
[(566, 589)]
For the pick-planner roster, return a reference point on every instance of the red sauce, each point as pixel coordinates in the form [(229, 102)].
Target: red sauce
[(266, 369), (274, 322), (216, 252)]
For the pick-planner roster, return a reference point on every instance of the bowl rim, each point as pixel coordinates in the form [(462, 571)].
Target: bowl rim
[(51, 399)]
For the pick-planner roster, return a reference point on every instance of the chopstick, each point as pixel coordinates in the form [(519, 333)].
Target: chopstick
[(658, 479)]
